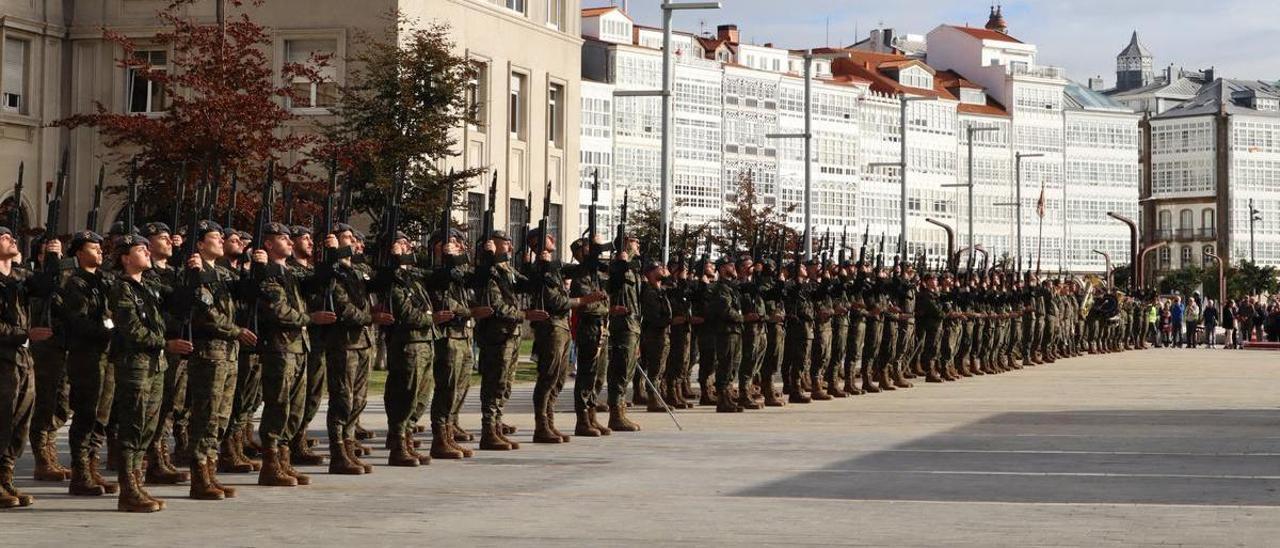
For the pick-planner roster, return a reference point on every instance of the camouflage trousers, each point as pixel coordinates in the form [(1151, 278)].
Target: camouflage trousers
[(798, 344), (622, 363), (705, 341), (775, 335), (17, 400), (348, 379), (820, 352), (677, 368), (870, 345), (316, 374), (655, 347), (52, 395), (92, 387), (284, 397), (409, 383), (754, 346), (497, 369), (839, 341), (728, 359), (248, 393), (452, 372), (173, 418), (855, 340), (211, 385), (553, 366), (591, 340), (139, 390)]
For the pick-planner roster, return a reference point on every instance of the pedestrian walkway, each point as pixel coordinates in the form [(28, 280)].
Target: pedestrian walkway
[(1142, 448)]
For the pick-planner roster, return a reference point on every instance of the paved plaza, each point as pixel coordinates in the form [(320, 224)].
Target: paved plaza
[(1162, 447)]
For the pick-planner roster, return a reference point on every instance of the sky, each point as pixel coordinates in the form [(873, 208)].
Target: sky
[(1239, 38)]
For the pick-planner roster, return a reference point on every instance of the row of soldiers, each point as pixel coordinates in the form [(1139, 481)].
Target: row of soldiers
[(137, 347)]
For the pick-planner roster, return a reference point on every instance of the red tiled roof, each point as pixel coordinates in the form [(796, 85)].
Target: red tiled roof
[(592, 12), (984, 34), (946, 80), (950, 78)]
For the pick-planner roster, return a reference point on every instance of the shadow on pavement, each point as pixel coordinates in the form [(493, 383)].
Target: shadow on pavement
[(1180, 457)]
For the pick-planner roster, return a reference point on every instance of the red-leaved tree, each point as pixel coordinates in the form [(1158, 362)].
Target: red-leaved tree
[(223, 113)]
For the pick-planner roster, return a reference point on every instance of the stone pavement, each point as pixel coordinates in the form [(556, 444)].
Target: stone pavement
[(1162, 447)]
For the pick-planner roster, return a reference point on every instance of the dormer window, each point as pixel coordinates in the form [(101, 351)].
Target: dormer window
[(1267, 104), (971, 96), (915, 77)]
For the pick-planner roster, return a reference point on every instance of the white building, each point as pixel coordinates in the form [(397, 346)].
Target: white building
[(1210, 158), (730, 96)]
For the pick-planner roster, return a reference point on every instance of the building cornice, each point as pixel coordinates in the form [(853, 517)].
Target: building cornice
[(511, 17)]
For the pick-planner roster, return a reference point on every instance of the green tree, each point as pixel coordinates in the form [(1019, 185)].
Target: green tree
[(645, 223), (1250, 279), (405, 95)]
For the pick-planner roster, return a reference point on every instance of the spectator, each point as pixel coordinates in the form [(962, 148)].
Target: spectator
[(1210, 318), (1191, 315), (1175, 316), (1229, 325), (1166, 325), (1259, 319)]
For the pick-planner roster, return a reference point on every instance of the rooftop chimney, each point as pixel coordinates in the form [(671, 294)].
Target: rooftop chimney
[(1096, 83), (728, 33)]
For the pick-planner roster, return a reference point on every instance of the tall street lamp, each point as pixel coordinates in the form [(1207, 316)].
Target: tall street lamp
[(664, 172), (970, 131), (1017, 191), (901, 164), (1255, 216), (808, 155)]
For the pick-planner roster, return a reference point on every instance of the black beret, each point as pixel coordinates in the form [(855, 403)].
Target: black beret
[(499, 235), (129, 241), (339, 228), (203, 228), (4, 231), (298, 231), (276, 229), (155, 228), (85, 237)]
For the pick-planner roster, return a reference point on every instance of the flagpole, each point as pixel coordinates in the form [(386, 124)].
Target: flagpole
[(1040, 237)]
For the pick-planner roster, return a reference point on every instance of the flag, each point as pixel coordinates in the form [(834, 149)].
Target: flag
[(1040, 202)]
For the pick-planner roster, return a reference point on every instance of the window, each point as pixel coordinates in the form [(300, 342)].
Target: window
[(518, 219), (515, 108), (1185, 256), (515, 5), (1206, 219), (555, 14), (478, 93), (311, 95), (1204, 255), (475, 216), (555, 115), (145, 95), (1165, 258), (14, 77), (1186, 220)]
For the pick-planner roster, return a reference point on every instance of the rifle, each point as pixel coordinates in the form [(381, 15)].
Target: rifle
[(862, 251), (91, 223), (288, 202), (844, 242), (619, 240), (326, 226), (344, 203), (259, 233), (486, 224), (189, 248), (55, 210), (231, 205), (16, 205), (211, 199), (528, 221), (589, 257), (179, 195), (546, 219)]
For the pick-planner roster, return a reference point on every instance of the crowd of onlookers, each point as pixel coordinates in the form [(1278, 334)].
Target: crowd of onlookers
[(1187, 322)]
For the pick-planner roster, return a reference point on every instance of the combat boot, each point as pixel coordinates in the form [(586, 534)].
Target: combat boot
[(300, 452), (452, 439), (166, 463), (542, 432), (82, 484), (654, 404), (868, 384), (932, 374), (272, 474), (898, 380), (359, 449), (725, 403), (705, 397), (490, 440), (47, 467), (211, 466), (107, 487), (362, 433), (340, 460), (157, 473), (423, 458), (286, 464), (441, 446), (638, 395), (142, 489), (583, 426), (400, 455), (131, 498), (882, 380), (595, 422), (618, 420), (8, 501), (686, 389), (771, 398), (746, 401), (350, 446), (460, 435), (8, 490), (819, 392), (227, 458), (502, 434), (551, 422), (849, 387), (201, 487)]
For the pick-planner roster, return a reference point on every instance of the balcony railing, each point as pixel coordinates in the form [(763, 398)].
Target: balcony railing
[(1185, 234), (1023, 69), (1164, 234), (1210, 233)]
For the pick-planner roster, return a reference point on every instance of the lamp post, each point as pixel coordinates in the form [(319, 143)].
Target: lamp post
[(664, 172), (1017, 185), (951, 240), (808, 155), (1107, 259), (1135, 268), (1254, 216), (1222, 277), (970, 131), (1141, 273), (901, 164)]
